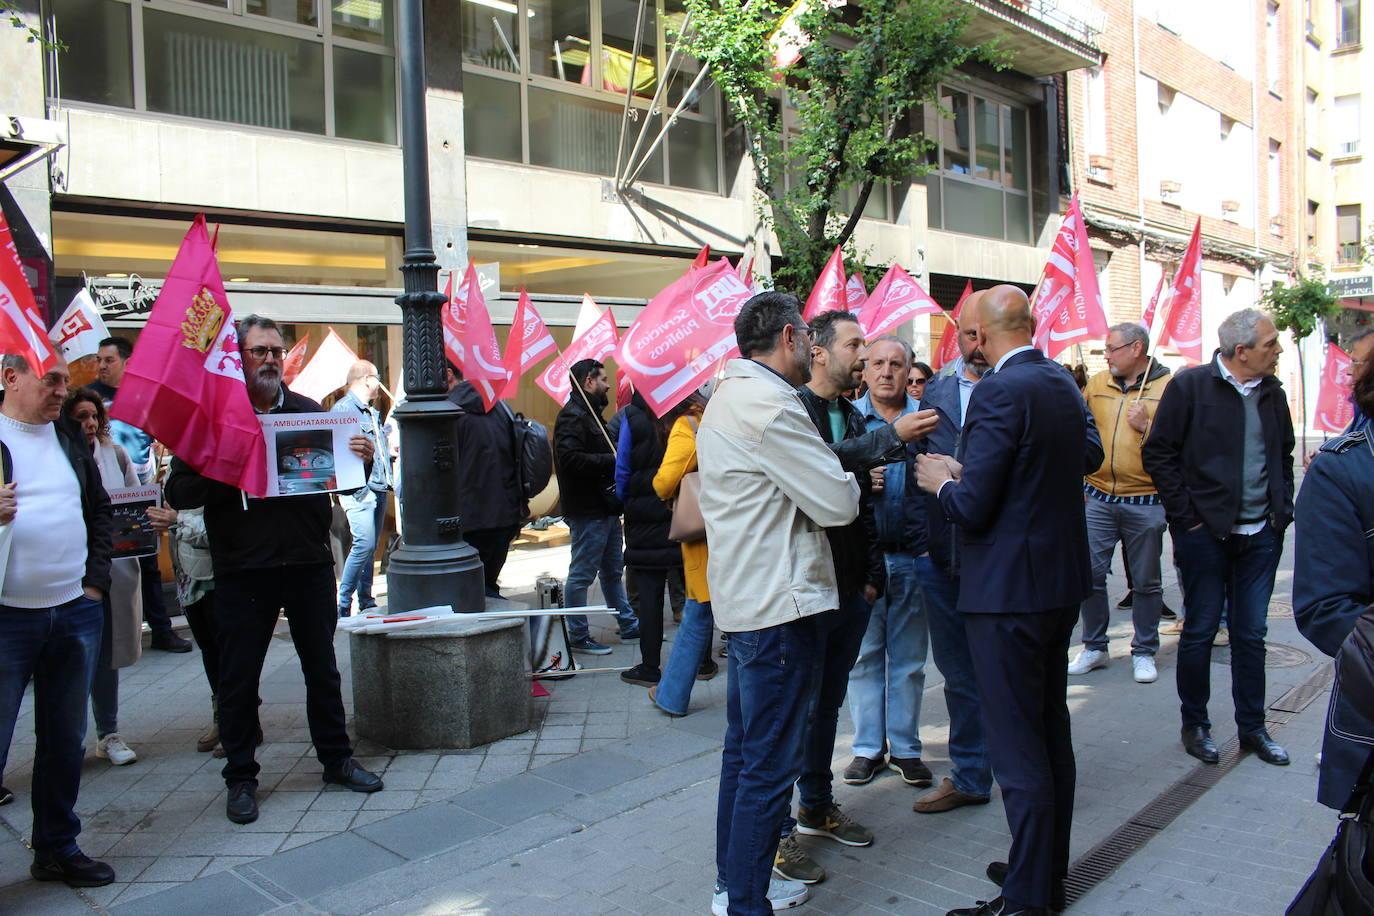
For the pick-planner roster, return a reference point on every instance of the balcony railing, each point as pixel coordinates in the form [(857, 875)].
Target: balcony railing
[(1347, 38), (1080, 19), (1348, 148), (1348, 253)]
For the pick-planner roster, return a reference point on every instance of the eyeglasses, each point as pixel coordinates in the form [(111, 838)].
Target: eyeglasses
[(1120, 347), (261, 352)]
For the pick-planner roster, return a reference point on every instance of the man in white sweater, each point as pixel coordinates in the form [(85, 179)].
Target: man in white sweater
[(60, 531), (770, 486)]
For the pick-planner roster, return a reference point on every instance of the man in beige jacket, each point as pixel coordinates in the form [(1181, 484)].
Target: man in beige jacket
[(769, 488)]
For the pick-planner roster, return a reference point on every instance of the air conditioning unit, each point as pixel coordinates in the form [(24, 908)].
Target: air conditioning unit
[(1276, 225), (1230, 206), (1100, 168), (1169, 190)]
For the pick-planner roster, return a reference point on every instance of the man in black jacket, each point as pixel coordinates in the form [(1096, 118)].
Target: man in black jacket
[(1221, 455), (488, 466), (584, 460), (50, 603), (838, 357), (271, 555)]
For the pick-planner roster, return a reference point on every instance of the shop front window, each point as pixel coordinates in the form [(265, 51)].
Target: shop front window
[(980, 184), (277, 64), (545, 84)]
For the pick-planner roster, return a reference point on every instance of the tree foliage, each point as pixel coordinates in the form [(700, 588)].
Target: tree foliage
[(866, 68), (1298, 308)]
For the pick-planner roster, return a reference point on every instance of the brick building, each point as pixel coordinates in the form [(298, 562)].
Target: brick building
[(1195, 112)]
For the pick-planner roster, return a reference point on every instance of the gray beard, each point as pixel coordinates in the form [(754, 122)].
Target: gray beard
[(264, 389)]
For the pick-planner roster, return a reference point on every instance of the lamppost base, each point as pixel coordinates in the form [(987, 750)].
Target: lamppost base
[(424, 576)]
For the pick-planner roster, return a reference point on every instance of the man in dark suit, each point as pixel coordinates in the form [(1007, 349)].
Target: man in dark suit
[(1018, 501)]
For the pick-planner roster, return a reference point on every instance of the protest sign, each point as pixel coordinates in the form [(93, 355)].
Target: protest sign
[(309, 453), (134, 534)]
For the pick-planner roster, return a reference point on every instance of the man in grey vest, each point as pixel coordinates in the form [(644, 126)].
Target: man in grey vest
[(1221, 455)]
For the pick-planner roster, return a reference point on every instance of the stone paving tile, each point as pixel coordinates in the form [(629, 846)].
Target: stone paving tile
[(316, 867)]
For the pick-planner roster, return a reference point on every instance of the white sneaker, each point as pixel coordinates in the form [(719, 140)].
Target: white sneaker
[(113, 749), (1144, 668), (1088, 660), (782, 894)]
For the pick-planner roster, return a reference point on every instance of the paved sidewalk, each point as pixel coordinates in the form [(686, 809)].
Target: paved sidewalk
[(606, 806)]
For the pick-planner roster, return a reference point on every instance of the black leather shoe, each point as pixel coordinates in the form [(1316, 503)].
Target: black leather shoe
[(6, 796), (997, 874), (242, 807), (1265, 748), (170, 642), (1198, 742), (353, 777), (76, 871), (1127, 601), (997, 907)]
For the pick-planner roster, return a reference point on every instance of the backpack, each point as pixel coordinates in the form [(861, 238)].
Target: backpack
[(534, 455)]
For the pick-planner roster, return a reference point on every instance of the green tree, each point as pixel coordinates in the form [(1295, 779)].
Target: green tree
[(1298, 309), (852, 91)]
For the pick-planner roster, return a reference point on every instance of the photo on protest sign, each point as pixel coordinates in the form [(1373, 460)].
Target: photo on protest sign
[(550, 656), (309, 453), (134, 534)]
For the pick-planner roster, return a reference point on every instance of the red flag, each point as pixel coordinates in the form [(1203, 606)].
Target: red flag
[(854, 293), (828, 294), (1147, 320), (23, 331), (1183, 322), (327, 370), (184, 383), (597, 343), (528, 343), (1334, 407), (1068, 303), (624, 390), (702, 257), (470, 341), (949, 341), (896, 299), (683, 334), (295, 360)]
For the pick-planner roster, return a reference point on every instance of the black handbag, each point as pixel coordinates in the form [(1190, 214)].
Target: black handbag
[(1341, 885)]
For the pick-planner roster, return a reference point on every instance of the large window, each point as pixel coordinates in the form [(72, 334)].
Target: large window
[(1347, 23), (544, 83), (981, 182), (283, 64), (1346, 125), (1348, 241)]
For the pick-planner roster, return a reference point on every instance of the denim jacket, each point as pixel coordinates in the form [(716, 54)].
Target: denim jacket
[(899, 510)]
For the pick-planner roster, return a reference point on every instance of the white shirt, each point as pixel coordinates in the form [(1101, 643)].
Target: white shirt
[(1246, 389), (48, 548), (1009, 354)]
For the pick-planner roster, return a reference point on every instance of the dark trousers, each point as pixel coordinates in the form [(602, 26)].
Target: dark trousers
[(57, 648), (839, 635), (204, 629), (766, 701), (650, 584), (492, 545), (1023, 686), (154, 608), (1232, 577), (247, 604)]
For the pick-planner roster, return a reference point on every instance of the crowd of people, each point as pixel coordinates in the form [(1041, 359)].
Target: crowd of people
[(856, 513)]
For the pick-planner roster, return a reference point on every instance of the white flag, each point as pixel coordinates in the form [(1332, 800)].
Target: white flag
[(327, 370), (80, 330)]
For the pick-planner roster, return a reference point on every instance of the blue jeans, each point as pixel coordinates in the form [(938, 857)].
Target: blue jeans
[(768, 692), (968, 746), (57, 648), (1235, 574), (597, 551), (689, 648), (888, 680), (838, 635), (366, 518)]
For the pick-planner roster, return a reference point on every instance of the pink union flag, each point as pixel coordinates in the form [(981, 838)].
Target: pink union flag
[(895, 300), (1183, 322), (828, 294), (1334, 408), (597, 343), (683, 334), (184, 383), (528, 343), (854, 294), (469, 336), (1068, 303), (23, 332), (1147, 320)]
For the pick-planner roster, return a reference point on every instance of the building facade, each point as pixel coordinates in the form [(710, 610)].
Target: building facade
[(279, 120)]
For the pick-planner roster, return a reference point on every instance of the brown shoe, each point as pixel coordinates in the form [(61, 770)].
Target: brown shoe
[(206, 742), (946, 797), (1171, 628)]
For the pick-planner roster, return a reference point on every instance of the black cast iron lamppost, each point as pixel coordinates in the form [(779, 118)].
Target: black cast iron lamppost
[(433, 565)]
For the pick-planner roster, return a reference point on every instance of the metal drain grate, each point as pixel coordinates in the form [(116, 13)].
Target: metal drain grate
[(1276, 655), (1094, 866)]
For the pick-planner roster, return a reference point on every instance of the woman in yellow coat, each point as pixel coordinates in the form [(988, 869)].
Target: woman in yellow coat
[(690, 659)]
